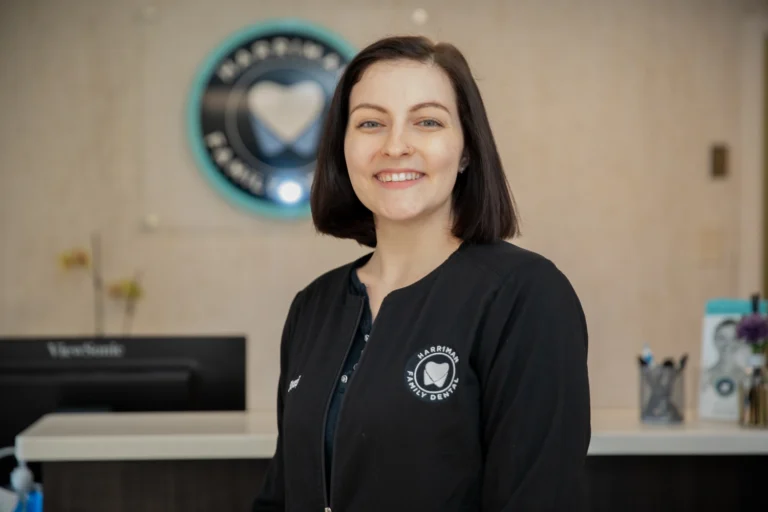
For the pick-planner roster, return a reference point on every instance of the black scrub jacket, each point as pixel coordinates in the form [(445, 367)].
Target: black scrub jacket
[(472, 392)]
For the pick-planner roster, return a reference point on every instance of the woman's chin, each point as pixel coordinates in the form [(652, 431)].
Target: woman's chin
[(398, 214), (406, 212)]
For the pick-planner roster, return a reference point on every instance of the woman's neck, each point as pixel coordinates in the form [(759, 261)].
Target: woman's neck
[(406, 252)]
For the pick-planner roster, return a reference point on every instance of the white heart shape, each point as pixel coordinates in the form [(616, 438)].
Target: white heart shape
[(287, 110), (436, 373)]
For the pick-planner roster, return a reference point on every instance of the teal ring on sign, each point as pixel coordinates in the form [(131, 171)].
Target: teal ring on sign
[(269, 146)]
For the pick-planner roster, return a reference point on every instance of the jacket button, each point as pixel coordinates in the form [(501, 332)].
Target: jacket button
[(344, 379)]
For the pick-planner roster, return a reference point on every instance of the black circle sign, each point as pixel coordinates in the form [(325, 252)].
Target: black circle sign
[(256, 112)]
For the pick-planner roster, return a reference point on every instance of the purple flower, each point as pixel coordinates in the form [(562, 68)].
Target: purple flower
[(753, 328)]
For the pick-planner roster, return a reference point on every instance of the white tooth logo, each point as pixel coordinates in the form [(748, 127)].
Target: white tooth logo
[(432, 374), (435, 373), (286, 110)]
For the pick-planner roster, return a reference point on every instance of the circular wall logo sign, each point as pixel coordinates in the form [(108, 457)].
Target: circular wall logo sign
[(431, 374), (256, 111)]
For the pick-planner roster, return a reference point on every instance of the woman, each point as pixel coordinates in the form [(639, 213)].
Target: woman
[(447, 369)]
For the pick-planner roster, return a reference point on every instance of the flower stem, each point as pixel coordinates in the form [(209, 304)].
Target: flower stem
[(98, 285)]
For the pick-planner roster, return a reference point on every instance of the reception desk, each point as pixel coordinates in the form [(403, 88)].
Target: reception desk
[(215, 461)]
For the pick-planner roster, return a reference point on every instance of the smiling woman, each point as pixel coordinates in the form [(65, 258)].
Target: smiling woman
[(406, 106), (412, 140), (446, 370)]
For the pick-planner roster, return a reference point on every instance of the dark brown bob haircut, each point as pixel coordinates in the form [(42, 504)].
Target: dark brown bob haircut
[(482, 203)]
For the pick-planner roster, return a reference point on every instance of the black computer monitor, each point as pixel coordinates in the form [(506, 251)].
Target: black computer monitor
[(41, 375)]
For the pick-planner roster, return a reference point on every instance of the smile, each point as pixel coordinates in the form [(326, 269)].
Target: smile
[(387, 177)]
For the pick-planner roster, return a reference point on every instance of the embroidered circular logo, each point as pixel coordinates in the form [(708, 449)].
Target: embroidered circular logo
[(431, 374)]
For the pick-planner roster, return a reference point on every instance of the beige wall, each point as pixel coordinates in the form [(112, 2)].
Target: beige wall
[(603, 110)]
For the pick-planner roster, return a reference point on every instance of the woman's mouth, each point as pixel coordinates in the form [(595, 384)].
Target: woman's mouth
[(398, 179)]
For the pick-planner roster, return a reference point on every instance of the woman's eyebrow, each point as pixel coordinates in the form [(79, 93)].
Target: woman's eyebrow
[(418, 106)]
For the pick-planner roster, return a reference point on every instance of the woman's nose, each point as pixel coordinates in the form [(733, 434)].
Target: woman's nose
[(396, 144)]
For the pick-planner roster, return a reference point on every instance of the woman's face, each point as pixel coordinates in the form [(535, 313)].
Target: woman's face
[(725, 336), (404, 142)]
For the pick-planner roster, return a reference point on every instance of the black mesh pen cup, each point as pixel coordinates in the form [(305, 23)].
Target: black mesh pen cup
[(662, 394)]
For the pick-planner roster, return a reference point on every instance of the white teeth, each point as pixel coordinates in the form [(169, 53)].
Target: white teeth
[(402, 176)]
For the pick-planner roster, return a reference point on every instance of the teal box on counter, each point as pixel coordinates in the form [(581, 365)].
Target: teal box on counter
[(724, 358)]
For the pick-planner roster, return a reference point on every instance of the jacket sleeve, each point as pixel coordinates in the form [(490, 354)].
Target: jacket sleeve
[(271, 497), (535, 396)]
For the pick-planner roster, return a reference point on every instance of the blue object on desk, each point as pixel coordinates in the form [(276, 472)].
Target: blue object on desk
[(34, 503)]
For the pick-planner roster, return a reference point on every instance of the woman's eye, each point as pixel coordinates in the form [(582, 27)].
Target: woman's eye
[(430, 123), (368, 124)]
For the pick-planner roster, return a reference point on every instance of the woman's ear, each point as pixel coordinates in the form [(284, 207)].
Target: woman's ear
[(464, 162)]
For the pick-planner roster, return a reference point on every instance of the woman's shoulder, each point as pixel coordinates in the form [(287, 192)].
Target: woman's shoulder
[(504, 261), (525, 282), (513, 273)]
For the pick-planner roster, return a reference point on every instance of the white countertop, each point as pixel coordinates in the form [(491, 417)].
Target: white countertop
[(149, 436), (249, 435), (620, 432)]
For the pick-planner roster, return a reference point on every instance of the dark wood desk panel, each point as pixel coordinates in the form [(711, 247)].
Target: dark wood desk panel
[(677, 483), (617, 483), (152, 486)]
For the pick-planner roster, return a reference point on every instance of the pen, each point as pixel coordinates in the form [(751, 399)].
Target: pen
[(647, 355)]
